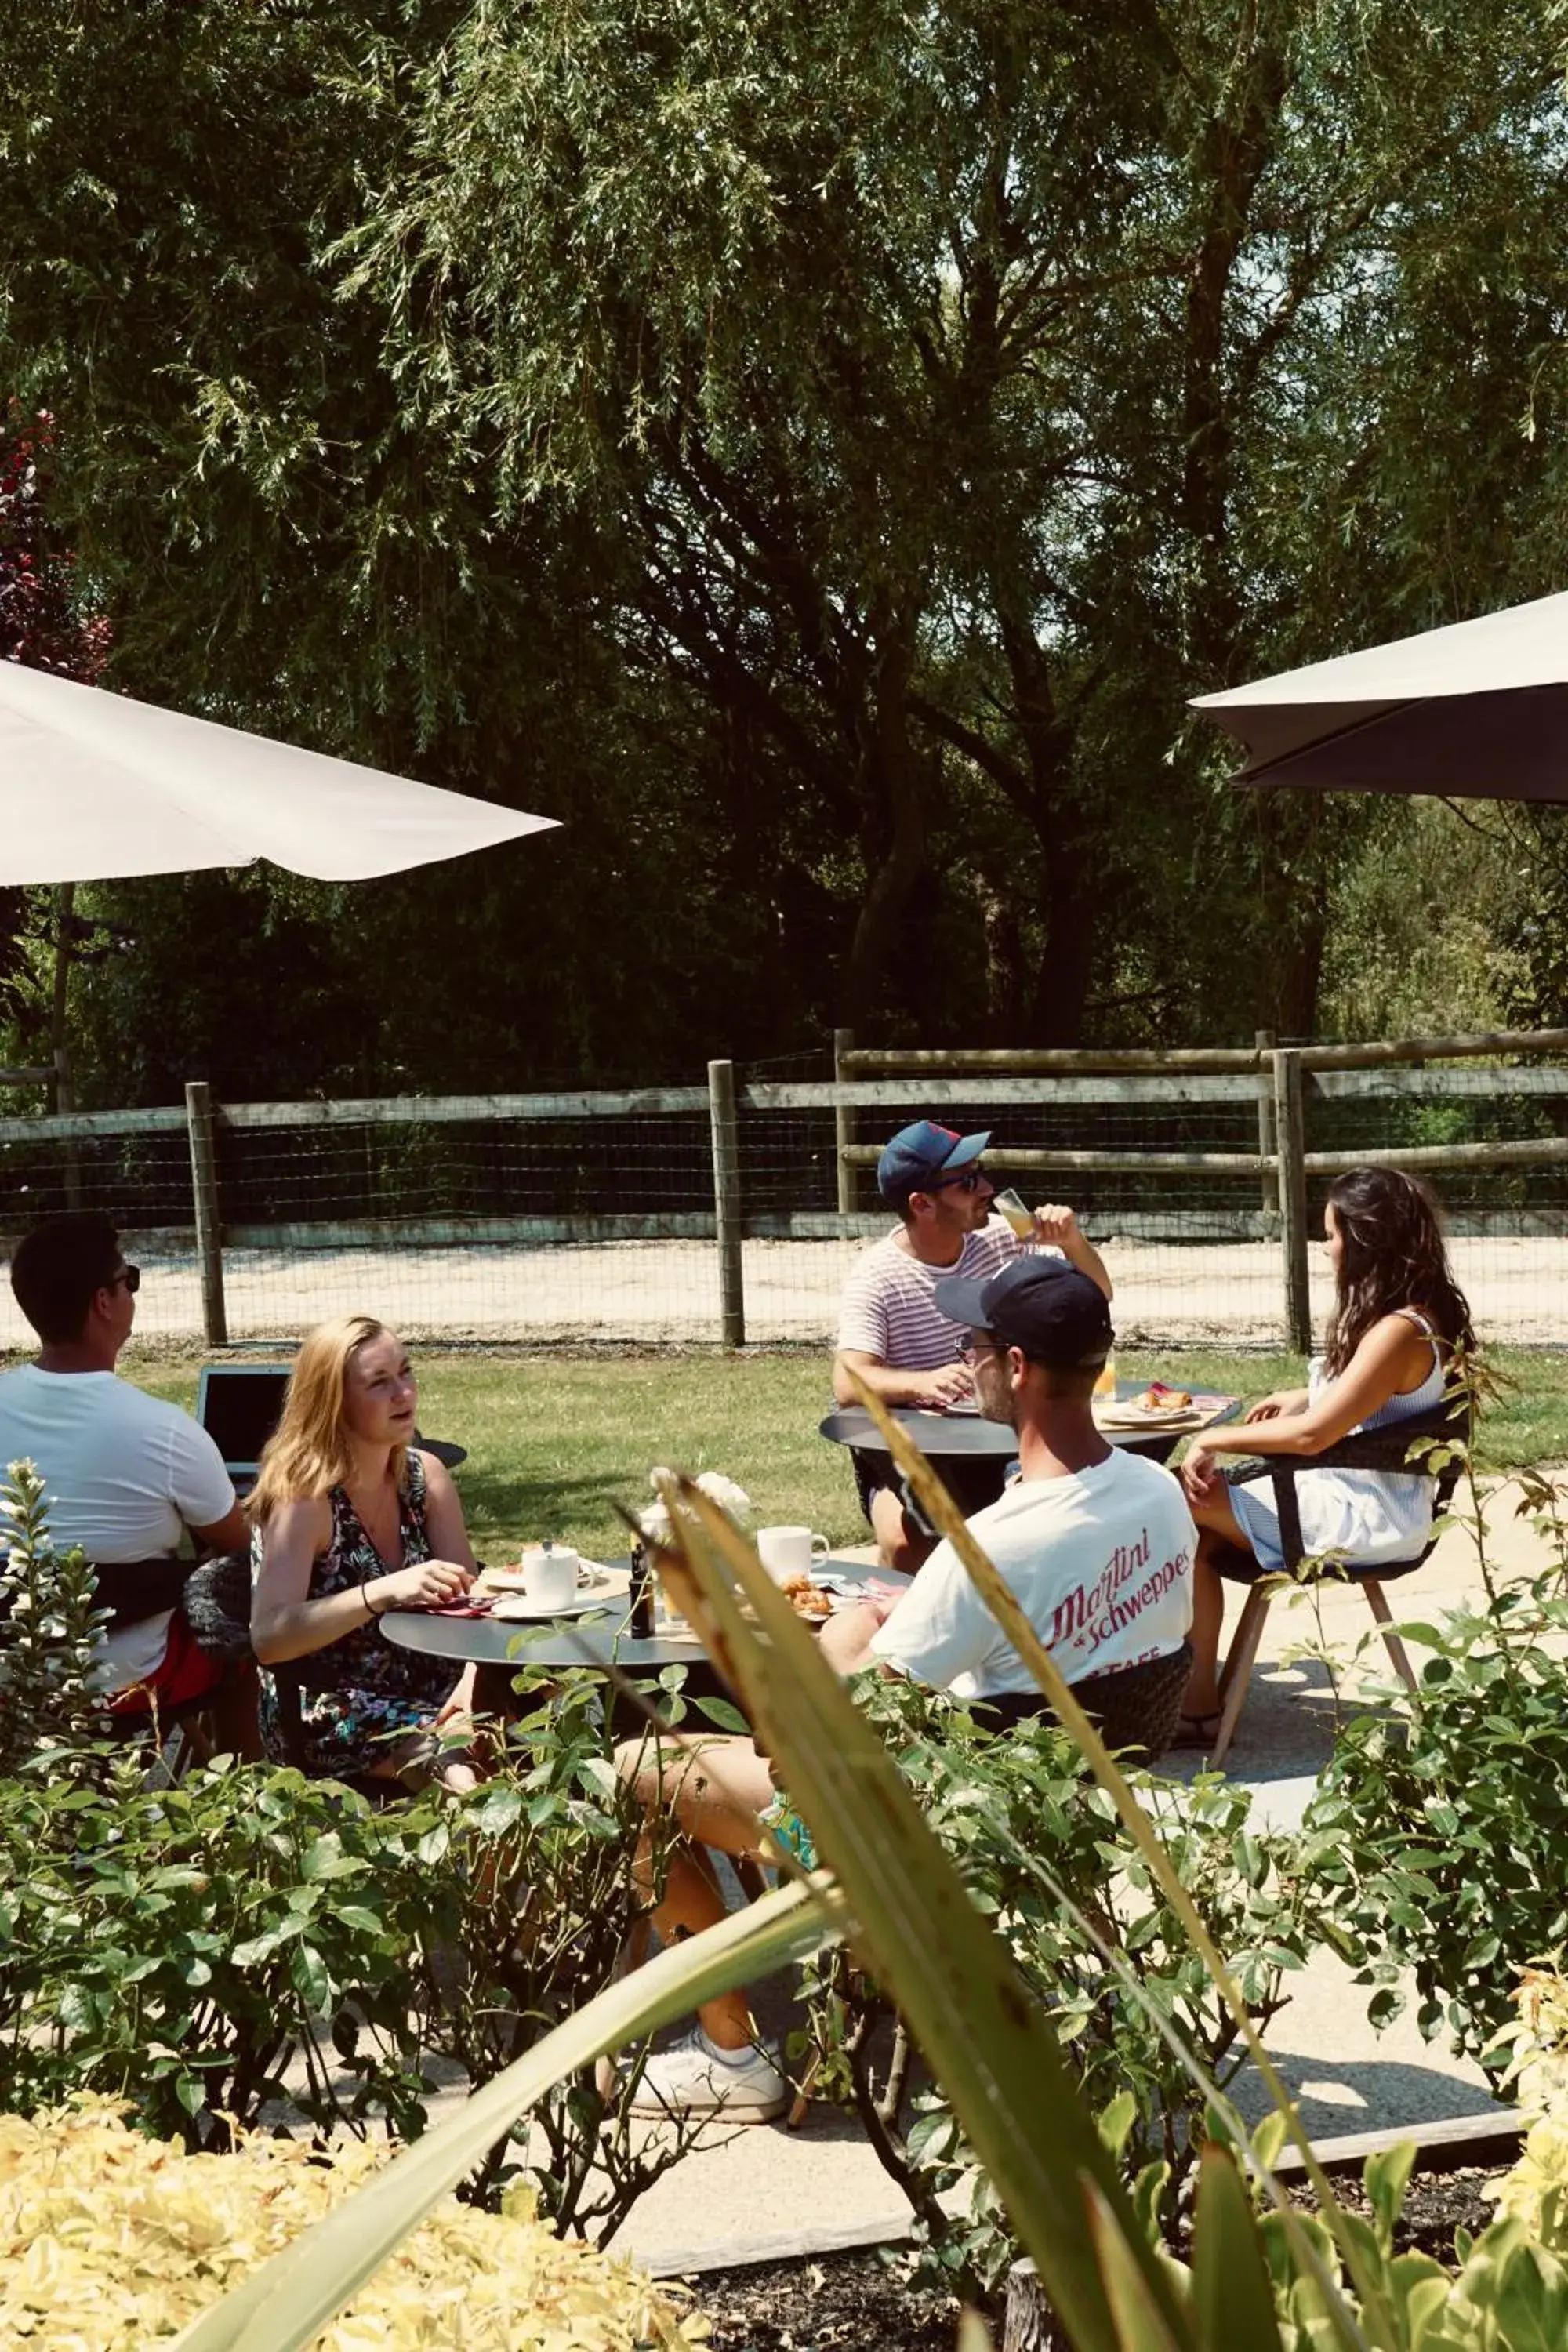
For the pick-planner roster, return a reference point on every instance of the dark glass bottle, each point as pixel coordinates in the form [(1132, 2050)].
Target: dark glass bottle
[(641, 1621)]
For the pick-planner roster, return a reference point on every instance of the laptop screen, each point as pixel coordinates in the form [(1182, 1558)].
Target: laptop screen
[(239, 1406)]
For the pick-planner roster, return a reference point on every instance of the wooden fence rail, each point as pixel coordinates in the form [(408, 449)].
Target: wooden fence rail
[(870, 1062), (1283, 1082)]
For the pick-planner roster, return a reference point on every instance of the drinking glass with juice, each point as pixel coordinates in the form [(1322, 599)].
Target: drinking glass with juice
[(1017, 1211)]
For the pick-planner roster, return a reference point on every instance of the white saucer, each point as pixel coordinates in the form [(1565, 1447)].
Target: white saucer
[(597, 1588)]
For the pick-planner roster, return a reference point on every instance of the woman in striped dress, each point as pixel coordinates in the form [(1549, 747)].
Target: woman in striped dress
[(1398, 1318)]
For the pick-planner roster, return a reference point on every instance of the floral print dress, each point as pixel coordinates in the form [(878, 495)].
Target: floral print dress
[(361, 1691)]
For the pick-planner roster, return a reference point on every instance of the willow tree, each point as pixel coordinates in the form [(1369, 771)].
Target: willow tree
[(974, 382), (833, 443)]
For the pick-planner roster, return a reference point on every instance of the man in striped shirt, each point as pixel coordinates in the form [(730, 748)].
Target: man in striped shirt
[(890, 1330)]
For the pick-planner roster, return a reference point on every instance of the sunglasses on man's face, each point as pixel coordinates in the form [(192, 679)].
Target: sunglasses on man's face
[(130, 1276), (968, 1180)]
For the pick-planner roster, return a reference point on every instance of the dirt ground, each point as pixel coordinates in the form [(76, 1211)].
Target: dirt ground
[(1166, 1293), (858, 2299), (807, 2306)]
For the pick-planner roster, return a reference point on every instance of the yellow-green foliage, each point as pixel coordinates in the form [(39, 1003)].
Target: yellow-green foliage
[(1536, 2190), (110, 2241)]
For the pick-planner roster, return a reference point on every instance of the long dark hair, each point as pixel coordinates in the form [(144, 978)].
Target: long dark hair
[(1393, 1257)]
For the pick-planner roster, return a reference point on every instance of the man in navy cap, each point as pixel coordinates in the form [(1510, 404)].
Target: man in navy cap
[(892, 1329), (1097, 1547)]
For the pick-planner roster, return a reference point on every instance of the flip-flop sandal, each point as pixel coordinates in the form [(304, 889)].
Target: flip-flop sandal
[(1197, 1730)]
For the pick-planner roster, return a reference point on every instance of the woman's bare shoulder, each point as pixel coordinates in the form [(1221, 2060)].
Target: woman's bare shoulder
[(438, 1478), (300, 1517)]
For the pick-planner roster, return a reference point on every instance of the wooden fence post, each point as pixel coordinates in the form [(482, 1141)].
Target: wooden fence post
[(1267, 1134), (727, 1202), (843, 1128), (204, 1193), (1290, 1120)]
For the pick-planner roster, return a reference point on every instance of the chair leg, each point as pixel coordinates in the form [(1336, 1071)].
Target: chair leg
[(1377, 1602), (200, 1736), (752, 1874), (800, 2105), (1237, 1672)]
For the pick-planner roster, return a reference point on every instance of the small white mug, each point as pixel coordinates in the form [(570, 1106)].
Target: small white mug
[(789, 1551), (550, 1576)]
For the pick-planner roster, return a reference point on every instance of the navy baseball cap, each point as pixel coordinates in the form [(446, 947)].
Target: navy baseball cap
[(1043, 1305), (923, 1156)]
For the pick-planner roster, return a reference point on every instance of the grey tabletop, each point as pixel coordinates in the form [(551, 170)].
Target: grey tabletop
[(587, 1641)]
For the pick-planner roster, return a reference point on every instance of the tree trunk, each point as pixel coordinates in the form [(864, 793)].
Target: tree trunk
[(1294, 978), (893, 772), (1072, 906), (60, 1040), (1067, 899), (1005, 992), (1236, 147)]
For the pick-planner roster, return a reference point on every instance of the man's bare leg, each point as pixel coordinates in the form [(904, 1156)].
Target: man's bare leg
[(713, 1791)]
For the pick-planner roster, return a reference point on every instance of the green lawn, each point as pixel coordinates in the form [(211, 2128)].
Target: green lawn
[(553, 1442)]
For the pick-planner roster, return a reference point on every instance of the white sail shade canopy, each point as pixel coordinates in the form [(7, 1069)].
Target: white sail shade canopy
[(94, 786), (1478, 709)]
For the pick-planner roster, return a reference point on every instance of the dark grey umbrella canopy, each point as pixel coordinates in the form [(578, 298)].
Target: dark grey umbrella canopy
[(1477, 710)]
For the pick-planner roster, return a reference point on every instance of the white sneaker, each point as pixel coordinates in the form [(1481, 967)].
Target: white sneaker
[(695, 2077)]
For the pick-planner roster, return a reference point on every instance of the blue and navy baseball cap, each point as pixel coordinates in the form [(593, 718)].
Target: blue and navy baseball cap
[(923, 1156), (1043, 1305)]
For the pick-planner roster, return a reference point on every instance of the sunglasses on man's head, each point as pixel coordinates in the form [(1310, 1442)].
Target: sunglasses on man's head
[(130, 1276)]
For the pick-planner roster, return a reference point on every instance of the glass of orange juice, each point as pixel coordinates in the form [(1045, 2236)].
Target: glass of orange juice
[(1105, 1386), (1017, 1211)]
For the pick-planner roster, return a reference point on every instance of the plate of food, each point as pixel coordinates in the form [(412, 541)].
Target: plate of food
[(809, 1599), (1156, 1407)]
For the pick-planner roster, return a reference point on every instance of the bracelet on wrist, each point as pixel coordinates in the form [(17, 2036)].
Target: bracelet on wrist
[(365, 1586)]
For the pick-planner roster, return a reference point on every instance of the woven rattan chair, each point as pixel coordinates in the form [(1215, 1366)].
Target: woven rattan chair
[(1136, 1708), (1404, 1448)]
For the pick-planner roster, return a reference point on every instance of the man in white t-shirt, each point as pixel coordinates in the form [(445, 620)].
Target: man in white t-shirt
[(1096, 1544), (125, 1475), (1097, 1548), (891, 1329)]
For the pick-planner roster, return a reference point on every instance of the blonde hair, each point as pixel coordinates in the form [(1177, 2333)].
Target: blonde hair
[(308, 1453)]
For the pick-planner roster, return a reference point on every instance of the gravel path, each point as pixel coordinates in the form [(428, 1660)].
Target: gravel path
[(1165, 1292)]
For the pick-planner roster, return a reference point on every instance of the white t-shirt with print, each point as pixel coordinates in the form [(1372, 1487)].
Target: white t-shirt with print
[(1101, 1563), (887, 1310), (124, 1475)]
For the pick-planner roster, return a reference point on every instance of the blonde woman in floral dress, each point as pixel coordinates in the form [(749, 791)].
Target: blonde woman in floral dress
[(351, 1519)]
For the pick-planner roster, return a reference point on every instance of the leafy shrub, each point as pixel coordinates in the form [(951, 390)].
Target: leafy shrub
[(1043, 1855), (1440, 1830), (49, 1628), (249, 1935), (111, 2241), (1251, 2284)]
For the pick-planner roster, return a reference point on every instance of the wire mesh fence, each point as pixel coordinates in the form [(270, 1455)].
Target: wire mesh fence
[(594, 1218)]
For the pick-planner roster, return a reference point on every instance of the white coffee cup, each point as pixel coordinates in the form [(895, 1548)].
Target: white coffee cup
[(789, 1551), (550, 1576)]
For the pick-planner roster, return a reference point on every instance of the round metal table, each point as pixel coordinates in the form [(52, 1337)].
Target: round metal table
[(970, 1437), (502, 1647)]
